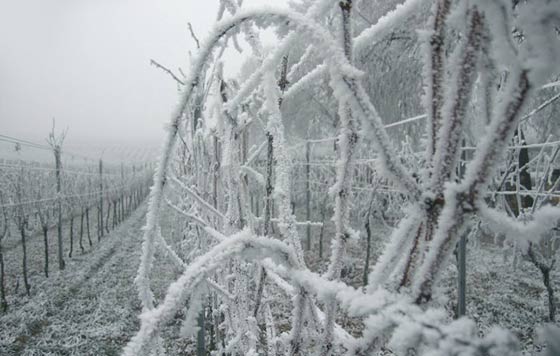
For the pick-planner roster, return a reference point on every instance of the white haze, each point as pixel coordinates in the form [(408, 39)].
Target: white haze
[(86, 63)]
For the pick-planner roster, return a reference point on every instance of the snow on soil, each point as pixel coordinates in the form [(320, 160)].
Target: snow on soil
[(90, 308)]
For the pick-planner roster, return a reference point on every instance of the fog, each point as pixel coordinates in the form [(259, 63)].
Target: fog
[(87, 64)]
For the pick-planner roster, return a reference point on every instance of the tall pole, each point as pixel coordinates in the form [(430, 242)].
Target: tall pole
[(123, 194), (462, 280), (307, 196), (462, 256), (100, 198), (61, 263)]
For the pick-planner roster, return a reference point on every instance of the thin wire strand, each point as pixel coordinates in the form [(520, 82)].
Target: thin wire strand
[(29, 202), (63, 171)]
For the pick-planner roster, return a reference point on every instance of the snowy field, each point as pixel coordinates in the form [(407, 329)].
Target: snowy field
[(88, 309), (92, 307)]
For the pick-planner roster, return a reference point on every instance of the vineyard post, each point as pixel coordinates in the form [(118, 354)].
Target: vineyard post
[(268, 201), (307, 196), (462, 255), (135, 190), (87, 212), (100, 232), (82, 213), (462, 280), (121, 210), (115, 217), (57, 152), (71, 213), (130, 205), (44, 216), (22, 222), (5, 231)]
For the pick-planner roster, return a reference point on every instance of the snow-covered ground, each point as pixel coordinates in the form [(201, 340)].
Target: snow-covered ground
[(90, 308)]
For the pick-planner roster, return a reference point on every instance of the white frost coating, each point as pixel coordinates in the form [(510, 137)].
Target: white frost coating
[(355, 301), (386, 24), (215, 234), (391, 166), (405, 326), (392, 251), (499, 13), (406, 336), (295, 68), (242, 243), (361, 42), (253, 173), (161, 172), (449, 224), (152, 217), (346, 75), (314, 283), (272, 340), (170, 252), (306, 81), (195, 196), (189, 327), (396, 318), (317, 10), (341, 190), (256, 153), (541, 48), (221, 10), (479, 170), (433, 74), (427, 98), (460, 200), (191, 217), (541, 223), (221, 290), (282, 186), (457, 96)]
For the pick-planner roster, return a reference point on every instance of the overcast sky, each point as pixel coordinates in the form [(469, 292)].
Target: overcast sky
[(86, 63)]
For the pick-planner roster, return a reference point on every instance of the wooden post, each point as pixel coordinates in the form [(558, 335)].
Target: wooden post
[(462, 280), (108, 215), (115, 217), (5, 229), (269, 187), (121, 213), (100, 233), (201, 335), (22, 222), (82, 229), (307, 196), (462, 256), (268, 201), (61, 263), (71, 233), (87, 224)]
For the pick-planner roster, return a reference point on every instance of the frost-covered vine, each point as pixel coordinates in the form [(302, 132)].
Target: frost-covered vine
[(246, 273)]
